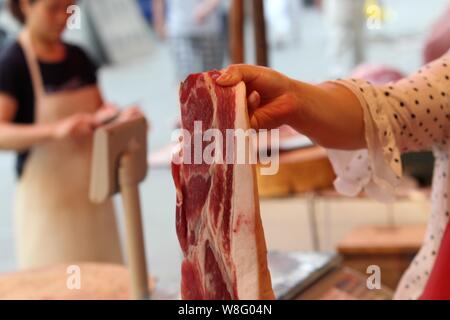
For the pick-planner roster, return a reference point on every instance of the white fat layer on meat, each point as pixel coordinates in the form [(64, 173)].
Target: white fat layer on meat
[(243, 225)]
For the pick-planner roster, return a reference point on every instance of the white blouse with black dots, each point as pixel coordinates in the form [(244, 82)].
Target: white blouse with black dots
[(412, 114)]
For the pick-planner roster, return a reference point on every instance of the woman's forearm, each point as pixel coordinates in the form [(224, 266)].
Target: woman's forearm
[(22, 137), (331, 115)]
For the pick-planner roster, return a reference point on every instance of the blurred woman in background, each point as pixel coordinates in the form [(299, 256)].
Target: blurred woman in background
[(49, 106)]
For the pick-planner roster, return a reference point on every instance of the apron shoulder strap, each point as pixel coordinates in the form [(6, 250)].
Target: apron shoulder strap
[(33, 65)]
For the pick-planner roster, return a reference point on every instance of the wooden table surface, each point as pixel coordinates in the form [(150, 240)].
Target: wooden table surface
[(383, 240)]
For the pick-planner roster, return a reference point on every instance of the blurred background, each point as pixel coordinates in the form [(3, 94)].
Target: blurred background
[(139, 65)]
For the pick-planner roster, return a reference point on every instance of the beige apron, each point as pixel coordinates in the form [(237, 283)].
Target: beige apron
[(55, 221)]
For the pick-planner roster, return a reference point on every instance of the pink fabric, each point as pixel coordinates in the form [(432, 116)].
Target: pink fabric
[(377, 74), (438, 41)]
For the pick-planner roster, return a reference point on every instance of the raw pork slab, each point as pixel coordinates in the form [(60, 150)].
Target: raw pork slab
[(217, 218)]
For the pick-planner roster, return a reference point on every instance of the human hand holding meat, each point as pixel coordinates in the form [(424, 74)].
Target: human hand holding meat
[(328, 113)]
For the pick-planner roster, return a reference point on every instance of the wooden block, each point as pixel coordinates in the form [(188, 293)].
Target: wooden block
[(110, 143), (383, 240), (390, 248), (300, 171)]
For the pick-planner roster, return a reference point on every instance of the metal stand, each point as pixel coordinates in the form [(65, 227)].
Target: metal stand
[(312, 217)]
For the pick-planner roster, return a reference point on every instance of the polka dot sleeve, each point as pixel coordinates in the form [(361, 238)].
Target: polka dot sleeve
[(412, 114)]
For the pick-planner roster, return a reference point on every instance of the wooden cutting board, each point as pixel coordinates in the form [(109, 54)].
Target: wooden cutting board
[(97, 282)]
